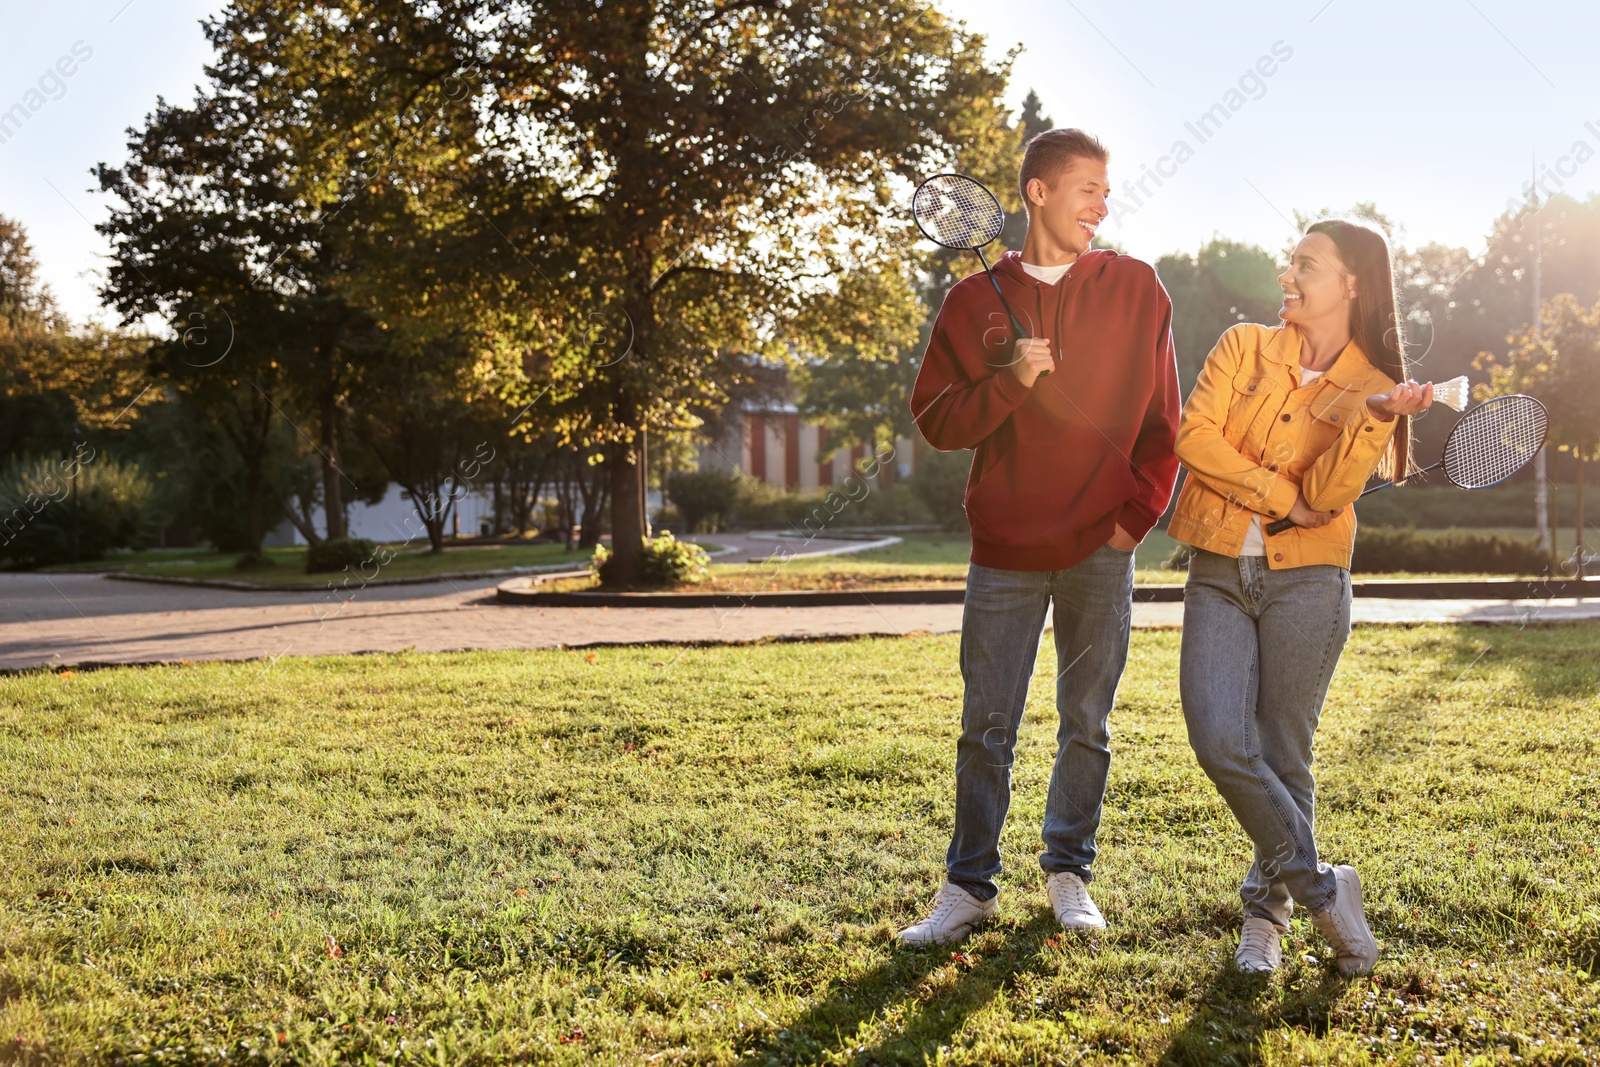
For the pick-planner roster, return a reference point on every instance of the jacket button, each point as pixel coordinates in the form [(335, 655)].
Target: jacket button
[(1286, 417), (1334, 417), (1252, 388), (1369, 429), (1278, 556)]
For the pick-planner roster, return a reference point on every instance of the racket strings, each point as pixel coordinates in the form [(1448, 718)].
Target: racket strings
[(957, 212), (1494, 440)]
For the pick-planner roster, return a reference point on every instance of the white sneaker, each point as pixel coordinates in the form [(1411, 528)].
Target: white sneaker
[(1069, 899), (1260, 948), (1344, 925), (955, 913)]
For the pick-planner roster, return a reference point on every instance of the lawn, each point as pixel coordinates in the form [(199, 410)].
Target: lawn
[(698, 855), (290, 563)]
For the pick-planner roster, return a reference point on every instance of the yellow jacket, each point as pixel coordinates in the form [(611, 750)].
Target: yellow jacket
[(1251, 438)]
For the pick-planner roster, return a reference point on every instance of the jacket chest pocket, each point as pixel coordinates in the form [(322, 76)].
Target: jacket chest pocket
[(1330, 414), (1252, 392)]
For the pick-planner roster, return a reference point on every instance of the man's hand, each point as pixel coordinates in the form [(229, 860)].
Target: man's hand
[(1122, 540), (1303, 515), (1032, 359), (1407, 398)]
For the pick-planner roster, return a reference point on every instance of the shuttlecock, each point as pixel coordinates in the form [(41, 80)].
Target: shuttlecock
[(1452, 393)]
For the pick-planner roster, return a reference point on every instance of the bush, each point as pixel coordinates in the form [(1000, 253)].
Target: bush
[(1385, 549), (666, 562), (1391, 548), (940, 480), (855, 502), (58, 510), (253, 561), (703, 497), (1440, 506), (337, 555)]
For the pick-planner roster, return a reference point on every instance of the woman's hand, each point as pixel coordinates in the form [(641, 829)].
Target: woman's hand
[(1303, 515), (1407, 398)]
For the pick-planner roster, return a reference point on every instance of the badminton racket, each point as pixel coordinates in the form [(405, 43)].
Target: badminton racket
[(959, 212), (1488, 444)]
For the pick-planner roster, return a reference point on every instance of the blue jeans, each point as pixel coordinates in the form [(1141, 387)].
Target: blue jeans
[(1259, 649), (1000, 628)]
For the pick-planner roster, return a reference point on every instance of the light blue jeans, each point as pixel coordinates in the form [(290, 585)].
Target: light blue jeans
[(1000, 629), (1259, 649)]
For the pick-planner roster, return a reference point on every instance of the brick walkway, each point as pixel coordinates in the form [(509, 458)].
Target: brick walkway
[(76, 618)]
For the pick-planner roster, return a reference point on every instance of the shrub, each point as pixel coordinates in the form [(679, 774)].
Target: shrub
[(703, 497), (666, 562), (1385, 549), (1440, 506), (1400, 548), (55, 510), (337, 555), (253, 561), (940, 480)]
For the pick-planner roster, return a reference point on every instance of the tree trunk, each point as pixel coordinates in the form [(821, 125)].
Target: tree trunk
[(595, 495), (302, 523), (252, 503), (332, 492), (627, 499), (1577, 509)]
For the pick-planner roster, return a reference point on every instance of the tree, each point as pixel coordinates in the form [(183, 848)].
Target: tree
[(1222, 285), (56, 380), (678, 182), (1561, 367), (227, 231)]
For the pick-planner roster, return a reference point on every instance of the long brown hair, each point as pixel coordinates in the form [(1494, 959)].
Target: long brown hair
[(1375, 319)]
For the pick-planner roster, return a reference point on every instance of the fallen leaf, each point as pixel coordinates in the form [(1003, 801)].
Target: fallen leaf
[(66, 674), (50, 894), (334, 951), (592, 658), (519, 892)]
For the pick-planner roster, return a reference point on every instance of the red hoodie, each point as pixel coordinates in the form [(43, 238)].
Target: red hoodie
[(1086, 448)]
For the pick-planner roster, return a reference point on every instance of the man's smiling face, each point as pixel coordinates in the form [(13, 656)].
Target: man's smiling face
[(1071, 208)]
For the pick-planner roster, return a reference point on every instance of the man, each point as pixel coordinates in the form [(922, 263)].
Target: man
[(1072, 469)]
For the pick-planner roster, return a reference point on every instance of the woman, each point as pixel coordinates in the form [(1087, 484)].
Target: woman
[(1287, 421)]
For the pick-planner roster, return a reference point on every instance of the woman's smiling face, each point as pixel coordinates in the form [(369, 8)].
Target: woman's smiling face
[(1316, 285)]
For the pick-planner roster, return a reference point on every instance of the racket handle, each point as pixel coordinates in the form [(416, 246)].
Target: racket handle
[(1279, 526)]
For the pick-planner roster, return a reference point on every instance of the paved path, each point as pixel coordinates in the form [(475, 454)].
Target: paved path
[(77, 618)]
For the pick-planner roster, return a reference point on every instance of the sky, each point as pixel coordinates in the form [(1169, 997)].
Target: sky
[(1435, 110)]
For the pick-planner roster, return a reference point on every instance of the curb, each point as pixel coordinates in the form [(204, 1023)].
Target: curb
[(556, 570), (515, 592)]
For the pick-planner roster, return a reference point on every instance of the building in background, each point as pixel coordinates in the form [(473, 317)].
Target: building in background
[(774, 445)]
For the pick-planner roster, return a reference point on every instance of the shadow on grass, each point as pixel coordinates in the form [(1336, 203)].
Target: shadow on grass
[(1236, 1010), (930, 1017)]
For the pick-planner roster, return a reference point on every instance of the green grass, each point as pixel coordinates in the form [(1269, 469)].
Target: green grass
[(290, 563), (698, 855)]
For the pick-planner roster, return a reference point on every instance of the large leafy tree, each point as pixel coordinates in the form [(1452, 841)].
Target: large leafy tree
[(234, 229), (639, 188)]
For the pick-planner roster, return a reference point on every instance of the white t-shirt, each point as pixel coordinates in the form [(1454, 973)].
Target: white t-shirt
[(1254, 543), (1048, 275)]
